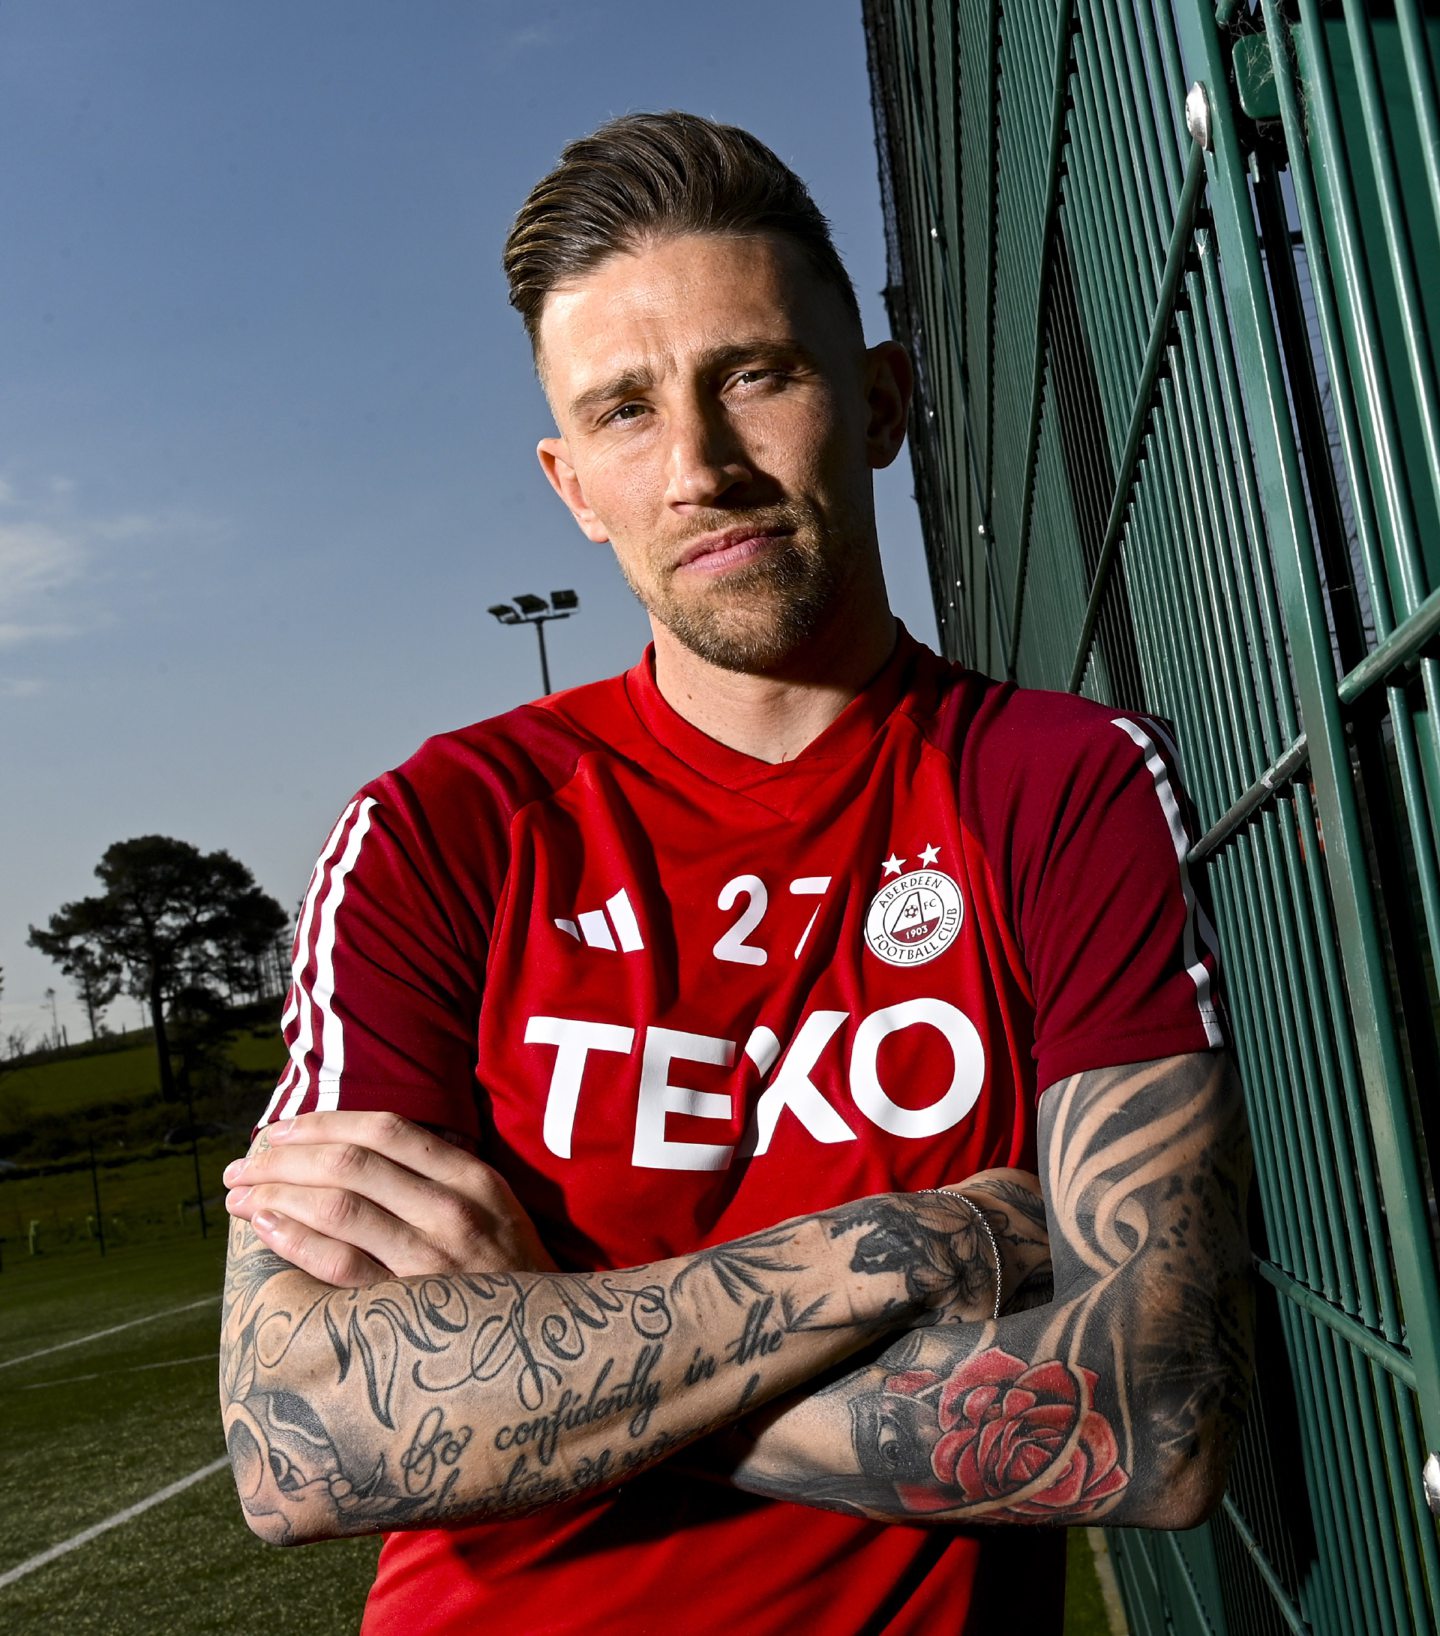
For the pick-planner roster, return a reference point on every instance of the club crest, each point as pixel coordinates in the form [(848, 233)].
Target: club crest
[(914, 918)]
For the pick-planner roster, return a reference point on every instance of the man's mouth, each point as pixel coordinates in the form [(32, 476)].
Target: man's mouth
[(729, 548)]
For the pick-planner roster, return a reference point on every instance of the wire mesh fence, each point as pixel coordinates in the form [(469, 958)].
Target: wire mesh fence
[(110, 1198), (1171, 275)]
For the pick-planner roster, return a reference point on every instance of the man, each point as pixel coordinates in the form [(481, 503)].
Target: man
[(792, 915)]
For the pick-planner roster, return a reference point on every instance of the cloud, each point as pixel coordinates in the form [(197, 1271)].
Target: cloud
[(531, 37), (54, 556), (20, 687), (13, 633), (36, 557), (529, 32), (39, 562)]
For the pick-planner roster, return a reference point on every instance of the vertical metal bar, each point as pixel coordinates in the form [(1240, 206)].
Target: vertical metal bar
[(1388, 1438), (1358, 311), (1352, 1371), (1425, 1531), (1425, 98), (1338, 1612), (992, 198), (1308, 209), (1353, 1522), (1402, 521), (1160, 328), (1346, 1095), (1064, 28), (1397, 238)]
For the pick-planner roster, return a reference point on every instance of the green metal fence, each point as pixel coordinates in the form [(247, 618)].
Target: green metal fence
[(1171, 275)]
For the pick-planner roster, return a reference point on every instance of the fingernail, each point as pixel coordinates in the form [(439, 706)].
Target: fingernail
[(278, 1132), (233, 1172), (237, 1196), (265, 1221)]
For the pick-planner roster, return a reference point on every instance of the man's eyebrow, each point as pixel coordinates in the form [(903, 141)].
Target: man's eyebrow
[(711, 361), (618, 386), (759, 346)]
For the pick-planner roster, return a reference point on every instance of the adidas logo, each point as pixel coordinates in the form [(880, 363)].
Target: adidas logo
[(612, 927)]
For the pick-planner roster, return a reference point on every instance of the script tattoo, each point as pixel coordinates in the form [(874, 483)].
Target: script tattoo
[(417, 1401), (431, 1335), (1117, 1400)]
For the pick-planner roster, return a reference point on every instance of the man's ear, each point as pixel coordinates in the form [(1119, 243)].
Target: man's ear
[(555, 463), (889, 384)]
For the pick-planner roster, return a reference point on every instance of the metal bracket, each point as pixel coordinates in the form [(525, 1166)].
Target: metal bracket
[(1253, 62), (1197, 115)]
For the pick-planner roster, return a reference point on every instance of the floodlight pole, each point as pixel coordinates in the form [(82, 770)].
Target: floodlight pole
[(530, 609), (544, 663)]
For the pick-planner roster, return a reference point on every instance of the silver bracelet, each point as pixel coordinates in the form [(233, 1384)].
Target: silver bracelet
[(985, 1227)]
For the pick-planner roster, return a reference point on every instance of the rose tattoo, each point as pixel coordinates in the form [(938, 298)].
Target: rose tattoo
[(997, 1434)]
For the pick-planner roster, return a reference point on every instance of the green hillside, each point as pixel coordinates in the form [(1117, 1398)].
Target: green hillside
[(105, 1097), (87, 1076), (58, 1107)]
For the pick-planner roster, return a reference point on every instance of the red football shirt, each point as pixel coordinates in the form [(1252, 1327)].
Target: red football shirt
[(679, 994)]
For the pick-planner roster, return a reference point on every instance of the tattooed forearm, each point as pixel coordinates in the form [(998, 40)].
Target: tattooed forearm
[(1120, 1398), (425, 1400), (1015, 1211)]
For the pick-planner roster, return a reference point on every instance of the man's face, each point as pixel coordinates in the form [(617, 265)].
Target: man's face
[(720, 419)]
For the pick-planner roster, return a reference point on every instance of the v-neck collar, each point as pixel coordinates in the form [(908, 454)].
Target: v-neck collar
[(774, 784)]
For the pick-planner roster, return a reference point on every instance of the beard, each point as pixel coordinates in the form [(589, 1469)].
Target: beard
[(758, 615)]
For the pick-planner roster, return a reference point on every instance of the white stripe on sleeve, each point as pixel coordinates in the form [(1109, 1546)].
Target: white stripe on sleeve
[(332, 1032), (295, 1081), (1170, 806)]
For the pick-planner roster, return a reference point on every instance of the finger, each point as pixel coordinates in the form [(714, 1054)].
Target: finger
[(473, 1200), (347, 1218), (332, 1262), (355, 1169), (464, 1208), (401, 1140)]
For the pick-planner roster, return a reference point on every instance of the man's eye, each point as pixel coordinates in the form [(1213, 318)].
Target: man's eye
[(748, 377), (625, 413)]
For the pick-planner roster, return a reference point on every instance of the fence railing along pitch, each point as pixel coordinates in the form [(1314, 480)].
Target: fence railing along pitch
[(1171, 275)]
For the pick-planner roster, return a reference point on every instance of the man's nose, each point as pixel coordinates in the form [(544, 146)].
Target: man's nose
[(706, 457)]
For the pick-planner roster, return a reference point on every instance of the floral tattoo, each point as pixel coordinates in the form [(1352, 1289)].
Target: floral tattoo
[(996, 1433)]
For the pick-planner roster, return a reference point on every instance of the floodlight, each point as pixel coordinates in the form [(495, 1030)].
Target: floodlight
[(535, 610)]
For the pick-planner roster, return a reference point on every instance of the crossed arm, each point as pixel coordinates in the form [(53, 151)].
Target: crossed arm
[(1120, 1399), (451, 1396), (458, 1394)]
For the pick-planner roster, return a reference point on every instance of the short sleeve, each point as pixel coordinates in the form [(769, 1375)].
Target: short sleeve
[(383, 1005), (1121, 954)]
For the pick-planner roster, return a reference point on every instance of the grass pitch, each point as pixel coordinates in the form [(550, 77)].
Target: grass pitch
[(96, 1427)]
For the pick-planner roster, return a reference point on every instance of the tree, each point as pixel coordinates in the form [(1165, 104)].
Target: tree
[(15, 1041), (95, 984), (170, 917)]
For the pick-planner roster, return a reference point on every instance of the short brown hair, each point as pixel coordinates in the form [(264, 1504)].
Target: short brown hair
[(646, 176)]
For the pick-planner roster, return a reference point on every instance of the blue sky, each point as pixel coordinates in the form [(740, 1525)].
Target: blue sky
[(266, 442)]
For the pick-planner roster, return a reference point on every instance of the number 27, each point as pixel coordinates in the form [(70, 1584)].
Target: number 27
[(732, 944)]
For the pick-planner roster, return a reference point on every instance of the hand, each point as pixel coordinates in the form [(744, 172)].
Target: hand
[(351, 1198)]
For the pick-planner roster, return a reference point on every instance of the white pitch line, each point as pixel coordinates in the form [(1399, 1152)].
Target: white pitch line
[(86, 1535), (110, 1374), (100, 1334)]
